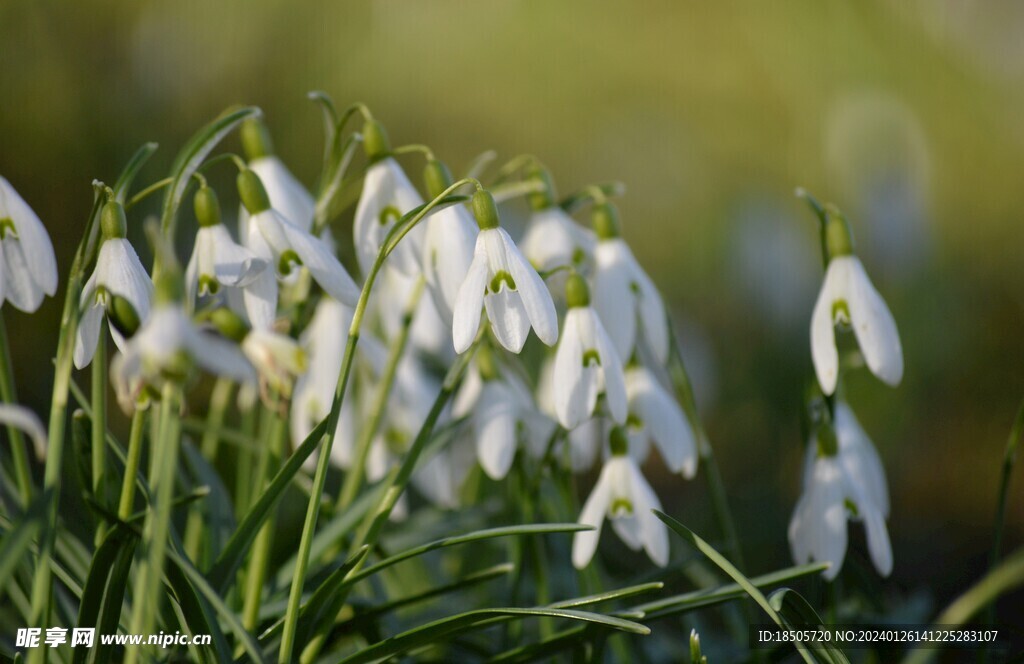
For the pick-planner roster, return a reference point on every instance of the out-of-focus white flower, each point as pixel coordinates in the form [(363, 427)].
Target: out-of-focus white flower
[(654, 415), (29, 268), (440, 478), (118, 273), (217, 260), (427, 331), (447, 245), (586, 363), (623, 495), (165, 348), (847, 296), (847, 485), (624, 296), (553, 240), (19, 417), (276, 239), (500, 407), (278, 359), (501, 281)]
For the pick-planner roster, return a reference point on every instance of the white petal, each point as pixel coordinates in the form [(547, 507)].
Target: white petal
[(22, 418), (21, 289), (218, 356), (817, 530), (874, 326), (234, 265), (878, 539), (611, 367), (612, 297), (584, 543), (653, 532), (120, 271), (584, 442), (653, 318), (35, 243), (574, 396), (553, 239), (495, 432), (88, 335), (860, 459), (447, 254), (663, 420), (534, 294), (466, 317), (509, 319), (326, 269), (287, 195), (823, 337)]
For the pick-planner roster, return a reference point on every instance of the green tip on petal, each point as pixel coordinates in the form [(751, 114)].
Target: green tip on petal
[(250, 190), (605, 220), (545, 197), (113, 223), (375, 140), (207, 207), (577, 293), (437, 177), (256, 141), (485, 210), (618, 442), (838, 237)]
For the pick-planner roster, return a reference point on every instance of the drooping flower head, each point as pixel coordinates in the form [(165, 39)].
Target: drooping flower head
[(501, 281), (119, 287), (586, 363), (286, 246), (28, 268), (552, 238), (622, 495), (848, 298), (654, 415), (448, 244), (286, 193), (624, 296)]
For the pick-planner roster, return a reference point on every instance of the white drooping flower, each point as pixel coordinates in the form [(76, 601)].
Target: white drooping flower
[(285, 245), (847, 296), (624, 296), (29, 268), (447, 248), (623, 495), (387, 195), (501, 281), (166, 347), (586, 363), (654, 415), (500, 408), (278, 359), (553, 239), (118, 274), (19, 417), (287, 195), (584, 441), (217, 260), (847, 485)]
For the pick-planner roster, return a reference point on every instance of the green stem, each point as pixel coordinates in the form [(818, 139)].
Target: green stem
[(219, 399), (354, 478), (1009, 460), (163, 469), (398, 232), (19, 447), (131, 465), (99, 429)]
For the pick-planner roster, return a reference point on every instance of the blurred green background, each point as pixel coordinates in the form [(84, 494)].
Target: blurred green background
[(907, 115)]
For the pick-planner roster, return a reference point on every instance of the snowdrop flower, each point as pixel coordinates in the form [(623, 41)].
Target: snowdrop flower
[(843, 480), (624, 496), (552, 238), (447, 245), (274, 238), (277, 359), (118, 275), (28, 268), (499, 407), (584, 440), (501, 281), (287, 195), (586, 363), (654, 415), (216, 258), (19, 417), (624, 296), (387, 195), (167, 346), (848, 297)]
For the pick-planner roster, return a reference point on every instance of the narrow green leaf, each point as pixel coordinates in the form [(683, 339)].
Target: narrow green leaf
[(96, 583), (730, 569), (131, 169), (199, 615), (18, 539), (221, 522), (608, 596), (110, 615), (446, 627), (798, 614)]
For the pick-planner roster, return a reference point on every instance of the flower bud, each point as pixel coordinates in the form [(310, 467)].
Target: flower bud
[(207, 207), (256, 141), (485, 210), (545, 198), (605, 220), (250, 190), (228, 323), (577, 294), (437, 177), (618, 442), (838, 238), (375, 140), (113, 223), (122, 316)]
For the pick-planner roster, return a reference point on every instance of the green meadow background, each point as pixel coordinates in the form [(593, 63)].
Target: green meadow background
[(907, 115)]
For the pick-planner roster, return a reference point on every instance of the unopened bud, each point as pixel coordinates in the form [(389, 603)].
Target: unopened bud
[(838, 238), (228, 323)]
